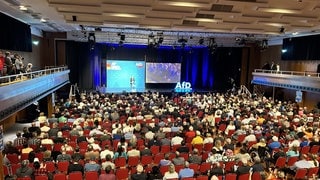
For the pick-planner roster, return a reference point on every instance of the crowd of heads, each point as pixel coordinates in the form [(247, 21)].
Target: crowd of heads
[(186, 120)]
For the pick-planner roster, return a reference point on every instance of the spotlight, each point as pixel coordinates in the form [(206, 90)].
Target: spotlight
[(91, 40)]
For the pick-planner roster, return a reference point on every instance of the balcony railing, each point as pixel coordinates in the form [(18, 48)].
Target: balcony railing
[(294, 73), (11, 79)]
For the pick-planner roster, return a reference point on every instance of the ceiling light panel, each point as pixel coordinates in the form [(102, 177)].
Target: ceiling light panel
[(278, 10)]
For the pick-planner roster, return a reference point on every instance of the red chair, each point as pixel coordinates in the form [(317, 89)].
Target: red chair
[(50, 166), (229, 166), (281, 162), (230, 132), (63, 166), (312, 172), (146, 160), (256, 176), (194, 166), (133, 161), (188, 178), (305, 150), (204, 167), (122, 174), (13, 158), (91, 175), (208, 147), (155, 150), (244, 176), (314, 149), (241, 137), (83, 145), (60, 176), (75, 176), (231, 176), (41, 177), (292, 160), (24, 156), (157, 158), (301, 174), (48, 146), (178, 168), (222, 127), (120, 162), (39, 155), (14, 168), (165, 149), (185, 156), (164, 169), (202, 178), (73, 144), (175, 147), (24, 178), (205, 156), (199, 147), (57, 147)]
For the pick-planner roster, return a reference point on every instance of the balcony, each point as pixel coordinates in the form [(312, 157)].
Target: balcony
[(303, 81), (20, 91)]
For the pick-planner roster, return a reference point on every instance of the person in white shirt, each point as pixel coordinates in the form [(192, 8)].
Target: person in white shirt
[(231, 127), (208, 139), (106, 152), (251, 137), (176, 140)]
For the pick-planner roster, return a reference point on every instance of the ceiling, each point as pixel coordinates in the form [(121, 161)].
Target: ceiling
[(143, 21)]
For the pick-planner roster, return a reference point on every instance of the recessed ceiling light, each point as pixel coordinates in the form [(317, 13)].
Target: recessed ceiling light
[(278, 10), (185, 4), (23, 8), (295, 33), (124, 15), (43, 20)]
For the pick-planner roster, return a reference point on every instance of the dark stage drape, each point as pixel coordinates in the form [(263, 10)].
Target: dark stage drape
[(203, 69)]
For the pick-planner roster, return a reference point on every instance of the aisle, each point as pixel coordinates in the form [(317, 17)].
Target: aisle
[(10, 134)]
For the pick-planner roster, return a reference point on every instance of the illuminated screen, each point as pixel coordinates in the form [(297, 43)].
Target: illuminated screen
[(163, 72), (126, 76)]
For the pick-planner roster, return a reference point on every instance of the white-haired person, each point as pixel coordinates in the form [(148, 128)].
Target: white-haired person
[(171, 173)]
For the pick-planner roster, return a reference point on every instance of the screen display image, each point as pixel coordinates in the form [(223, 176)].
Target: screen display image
[(163, 72), (126, 76)]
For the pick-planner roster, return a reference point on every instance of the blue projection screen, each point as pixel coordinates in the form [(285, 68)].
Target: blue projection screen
[(125, 75)]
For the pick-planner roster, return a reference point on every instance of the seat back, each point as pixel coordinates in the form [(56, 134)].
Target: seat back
[(91, 175), (75, 176), (301, 174)]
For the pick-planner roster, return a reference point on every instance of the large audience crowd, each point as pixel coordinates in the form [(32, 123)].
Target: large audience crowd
[(168, 136)]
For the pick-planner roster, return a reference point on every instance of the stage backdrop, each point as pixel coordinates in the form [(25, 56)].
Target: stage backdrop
[(203, 69)]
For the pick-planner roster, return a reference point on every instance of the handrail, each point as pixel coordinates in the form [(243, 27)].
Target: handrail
[(245, 90), (293, 73), (7, 80)]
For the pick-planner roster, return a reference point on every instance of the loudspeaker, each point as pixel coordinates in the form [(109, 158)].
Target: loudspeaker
[(74, 18), (318, 69)]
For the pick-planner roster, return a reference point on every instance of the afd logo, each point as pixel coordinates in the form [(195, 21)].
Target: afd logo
[(183, 87)]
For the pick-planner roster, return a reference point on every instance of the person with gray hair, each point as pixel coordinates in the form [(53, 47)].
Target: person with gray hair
[(186, 172), (25, 170)]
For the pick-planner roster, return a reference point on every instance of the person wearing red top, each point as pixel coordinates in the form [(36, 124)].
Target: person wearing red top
[(1, 63), (191, 133)]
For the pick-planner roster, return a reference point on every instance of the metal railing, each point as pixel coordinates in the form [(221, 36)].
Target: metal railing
[(7, 80), (245, 90), (294, 73)]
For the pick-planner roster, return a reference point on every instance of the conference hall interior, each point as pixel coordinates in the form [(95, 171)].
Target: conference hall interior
[(159, 89)]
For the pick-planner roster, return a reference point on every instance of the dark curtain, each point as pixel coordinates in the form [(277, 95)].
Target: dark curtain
[(14, 35), (301, 48), (79, 59)]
